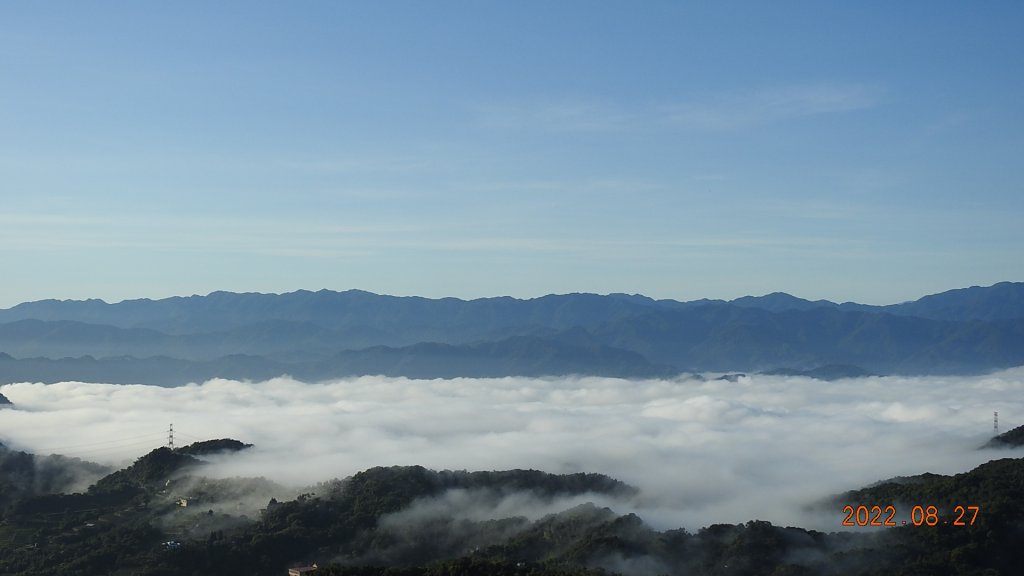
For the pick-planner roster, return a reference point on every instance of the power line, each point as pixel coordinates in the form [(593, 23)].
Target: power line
[(179, 434), (88, 444), (121, 447), (112, 445)]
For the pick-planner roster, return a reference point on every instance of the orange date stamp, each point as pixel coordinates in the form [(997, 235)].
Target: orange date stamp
[(919, 516)]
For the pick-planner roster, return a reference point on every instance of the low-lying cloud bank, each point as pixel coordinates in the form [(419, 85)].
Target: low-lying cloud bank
[(701, 452)]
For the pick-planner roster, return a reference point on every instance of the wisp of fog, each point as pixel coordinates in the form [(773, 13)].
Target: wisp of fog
[(700, 451)]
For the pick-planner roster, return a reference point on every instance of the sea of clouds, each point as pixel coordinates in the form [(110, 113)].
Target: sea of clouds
[(700, 451)]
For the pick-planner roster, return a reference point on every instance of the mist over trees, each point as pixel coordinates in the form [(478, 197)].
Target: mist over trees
[(411, 520)]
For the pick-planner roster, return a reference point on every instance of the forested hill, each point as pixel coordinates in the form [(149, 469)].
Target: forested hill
[(1009, 439), (161, 517), (329, 334)]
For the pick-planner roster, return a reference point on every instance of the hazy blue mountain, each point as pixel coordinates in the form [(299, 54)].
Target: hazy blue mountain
[(1002, 301), (417, 319), (723, 337), (281, 340), (155, 370), (325, 333), (61, 338), (516, 356), (780, 301), (4, 401), (409, 318)]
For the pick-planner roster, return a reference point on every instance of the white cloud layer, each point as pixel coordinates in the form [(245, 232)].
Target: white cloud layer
[(701, 452)]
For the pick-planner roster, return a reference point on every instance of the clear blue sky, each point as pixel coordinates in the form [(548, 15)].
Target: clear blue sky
[(866, 151)]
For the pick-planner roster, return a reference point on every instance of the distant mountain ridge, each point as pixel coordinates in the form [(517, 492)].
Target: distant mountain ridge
[(327, 334), (1001, 301), (516, 356), (219, 311)]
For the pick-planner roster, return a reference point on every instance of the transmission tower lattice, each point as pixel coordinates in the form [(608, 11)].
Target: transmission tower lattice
[(995, 423), (170, 437)]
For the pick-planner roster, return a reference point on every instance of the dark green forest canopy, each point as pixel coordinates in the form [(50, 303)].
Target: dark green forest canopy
[(129, 523), (1008, 439), (207, 447)]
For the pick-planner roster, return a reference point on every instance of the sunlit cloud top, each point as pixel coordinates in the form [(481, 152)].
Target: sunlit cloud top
[(700, 452)]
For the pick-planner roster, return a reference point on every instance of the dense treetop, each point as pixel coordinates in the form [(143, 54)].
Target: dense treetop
[(379, 521)]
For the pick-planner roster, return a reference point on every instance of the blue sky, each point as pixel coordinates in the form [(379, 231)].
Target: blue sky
[(863, 151)]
